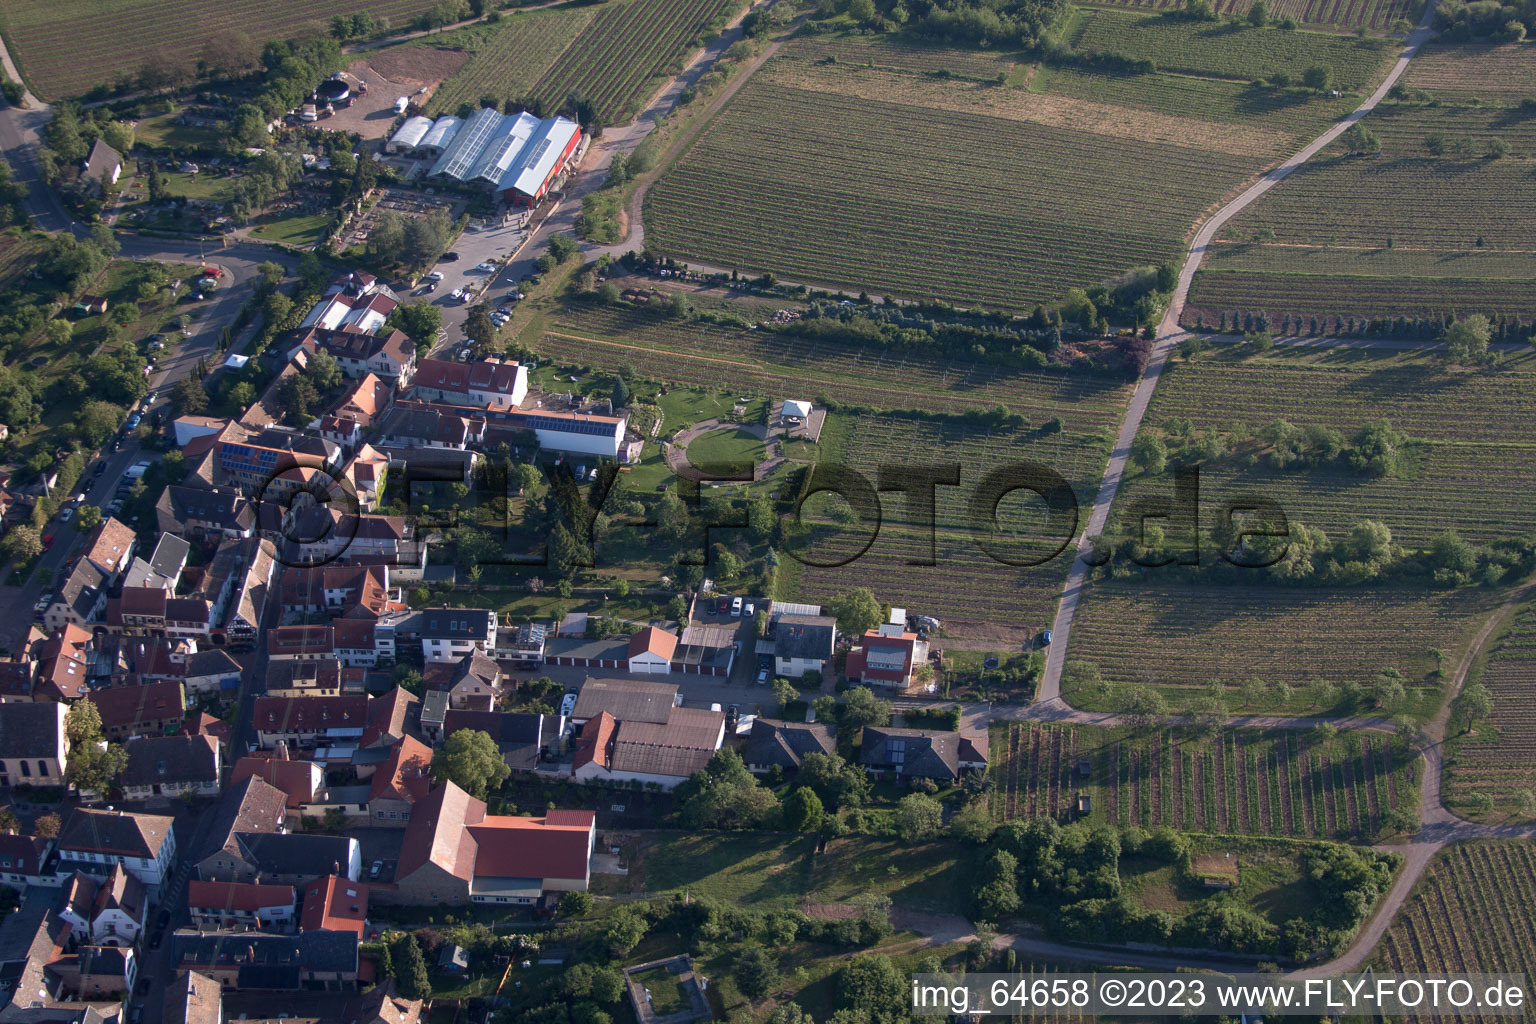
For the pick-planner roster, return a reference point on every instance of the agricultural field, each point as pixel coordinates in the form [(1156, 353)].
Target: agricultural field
[(1179, 638), (65, 49), (1468, 913), (1430, 226), (923, 197), (1239, 781), (1377, 15), (1497, 759), (608, 54), (1472, 468), (1461, 72), (507, 59), (1233, 50), (715, 357)]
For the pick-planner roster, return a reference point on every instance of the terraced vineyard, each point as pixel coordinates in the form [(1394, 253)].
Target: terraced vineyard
[(1466, 914), (1474, 471), (1499, 759), (1178, 638), (1321, 14), (1280, 783), (1023, 598), (64, 49), (1232, 50), (710, 356), (886, 52), (509, 59), (920, 202)]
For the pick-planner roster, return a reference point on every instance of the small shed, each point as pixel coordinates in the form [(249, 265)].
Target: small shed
[(1084, 804), (91, 305), (453, 960)]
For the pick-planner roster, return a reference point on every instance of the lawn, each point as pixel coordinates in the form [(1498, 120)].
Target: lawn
[(666, 992), (163, 132), (892, 209), (302, 231), (726, 446)]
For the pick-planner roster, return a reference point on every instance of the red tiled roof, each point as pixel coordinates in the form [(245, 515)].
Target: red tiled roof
[(654, 641), (247, 896), (309, 714), (436, 833), (596, 742), (295, 778), (513, 847), (403, 775), (129, 706), (334, 904)]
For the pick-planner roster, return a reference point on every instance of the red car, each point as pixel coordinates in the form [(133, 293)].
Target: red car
[(723, 607), (47, 540)]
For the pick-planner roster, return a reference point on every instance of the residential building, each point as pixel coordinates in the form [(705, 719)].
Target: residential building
[(109, 546), (164, 566), (152, 611), (302, 782), (63, 664), (450, 634), (383, 1004), (390, 356), (169, 766), (93, 842), (241, 906), (150, 709), (212, 673), (473, 682), (400, 782), (24, 861), (111, 912), (101, 169), (487, 384), (80, 600), (246, 961), (522, 737), (773, 743), (803, 643), (888, 656), (33, 748), (335, 589), (294, 858), (194, 998), (205, 514), (919, 753), (247, 807), (335, 904), (308, 722), (354, 301)]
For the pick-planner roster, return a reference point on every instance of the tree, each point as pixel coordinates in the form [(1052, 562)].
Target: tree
[(575, 904), (621, 394), (478, 327), (785, 693), (22, 543), (1143, 707), (189, 397), (919, 816), (563, 247), (1258, 14), (47, 826), (411, 967), (419, 321), (1318, 77), (861, 707), (802, 810), (724, 794), (82, 723), (97, 421), (88, 518), (95, 766), (757, 972), (836, 782), (1434, 144), (1466, 340), (871, 984), (296, 396), (1497, 149), (324, 370), (973, 823), (999, 893), (1149, 453), (856, 611), (472, 761), (1473, 703), (1360, 139)]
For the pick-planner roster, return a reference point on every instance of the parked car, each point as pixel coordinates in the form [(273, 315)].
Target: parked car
[(449, 257), (732, 716), (436, 275), (762, 678), (375, 868), (162, 920), (1046, 636), (432, 287), (487, 267), (66, 515), (723, 606), (749, 611), (133, 421), (736, 607), (568, 705)]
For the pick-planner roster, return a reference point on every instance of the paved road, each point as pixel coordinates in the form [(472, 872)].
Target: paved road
[(1169, 335)]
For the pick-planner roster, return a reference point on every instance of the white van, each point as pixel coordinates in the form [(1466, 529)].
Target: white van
[(736, 607)]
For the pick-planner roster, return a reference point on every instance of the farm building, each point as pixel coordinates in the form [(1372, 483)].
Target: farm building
[(515, 155), (409, 135), (438, 136)]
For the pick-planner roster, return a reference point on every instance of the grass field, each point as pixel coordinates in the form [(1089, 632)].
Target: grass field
[(1243, 781), (303, 231), (1430, 226), (1234, 50), (64, 49), (1321, 14), (1466, 914), (963, 190), (719, 446), (1179, 638), (1473, 470), (610, 54), (1496, 760)]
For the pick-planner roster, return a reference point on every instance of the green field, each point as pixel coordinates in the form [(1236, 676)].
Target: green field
[(922, 200), (64, 49), (1432, 225), (1239, 781), (1233, 50), (721, 446), (1472, 468), (303, 231), (1467, 914), (1496, 759), (1322, 14), (612, 54), (1460, 72)]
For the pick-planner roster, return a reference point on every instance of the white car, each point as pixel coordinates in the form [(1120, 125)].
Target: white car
[(66, 515), (436, 275), (749, 611), (488, 267), (568, 704)]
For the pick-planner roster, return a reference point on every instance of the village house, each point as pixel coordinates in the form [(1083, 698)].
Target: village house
[(241, 906), (34, 750), (108, 912), (149, 709), (93, 842), (170, 766), (664, 754)]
